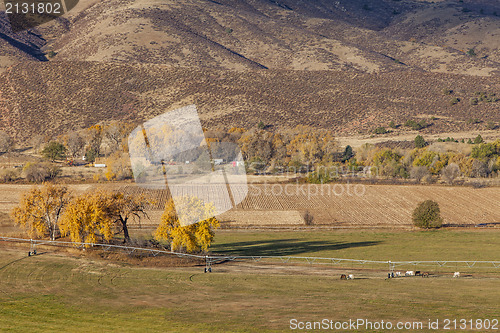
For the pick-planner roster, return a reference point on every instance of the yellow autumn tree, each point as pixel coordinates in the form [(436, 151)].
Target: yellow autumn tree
[(118, 167), (311, 145), (40, 210), (91, 216), (177, 227), (86, 219)]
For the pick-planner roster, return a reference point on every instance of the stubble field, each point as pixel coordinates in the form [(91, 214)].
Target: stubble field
[(336, 205)]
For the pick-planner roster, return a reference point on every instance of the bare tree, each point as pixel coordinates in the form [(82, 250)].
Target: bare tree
[(75, 144), (94, 137), (39, 172), (419, 172), (450, 173), (114, 133), (37, 142), (6, 142), (479, 169)]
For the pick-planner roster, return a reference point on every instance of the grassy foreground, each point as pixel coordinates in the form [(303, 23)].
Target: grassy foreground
[(473, 244), (53, 292)]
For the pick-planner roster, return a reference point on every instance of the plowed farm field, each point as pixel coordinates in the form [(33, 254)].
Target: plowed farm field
[(348, 205), (336, 205)]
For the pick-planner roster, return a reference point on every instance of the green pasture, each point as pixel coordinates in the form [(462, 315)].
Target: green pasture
[(56, 292)]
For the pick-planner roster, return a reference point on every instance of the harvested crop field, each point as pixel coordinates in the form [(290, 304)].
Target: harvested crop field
[(349, 205), (335, 205)]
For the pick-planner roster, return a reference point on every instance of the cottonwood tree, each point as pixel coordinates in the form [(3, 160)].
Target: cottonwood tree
[(419, 172), (116, 134), (118, 167), (182, 236), (94, 135), (40, 210), (257, 144), (310, 145), (120, 208), (39, 172), (86, 219), (89, 217), (37, 141), (479, 169)]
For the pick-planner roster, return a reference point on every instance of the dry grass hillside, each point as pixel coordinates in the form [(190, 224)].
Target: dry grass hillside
[(345, 65), (21, 47), (58, 96), (363, 35), (370, 36)]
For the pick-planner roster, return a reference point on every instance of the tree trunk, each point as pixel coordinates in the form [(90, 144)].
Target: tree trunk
[(52, 229), (126, 236)]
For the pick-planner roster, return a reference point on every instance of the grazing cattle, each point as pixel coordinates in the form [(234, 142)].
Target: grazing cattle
[(399, 274), (425, 274), (409, 273), (417, 273), (456, 274), (343, 277), (350, 277)]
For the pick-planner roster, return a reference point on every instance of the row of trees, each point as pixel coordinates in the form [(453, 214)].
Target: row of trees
[(110, 138), (419, 163), (304, 149), (301, 147), (117, 168), (91, 142), (53, 211)]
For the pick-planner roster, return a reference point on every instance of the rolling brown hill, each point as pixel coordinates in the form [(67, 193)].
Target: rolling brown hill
[(21, 47), (345, 65), (58, 96), (369, 36), (363, 35)]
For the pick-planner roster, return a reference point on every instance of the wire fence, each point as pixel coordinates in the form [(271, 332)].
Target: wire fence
[(209, 259)]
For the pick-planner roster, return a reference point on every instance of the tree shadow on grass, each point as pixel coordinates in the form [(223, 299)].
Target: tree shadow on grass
[(283, 247)]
